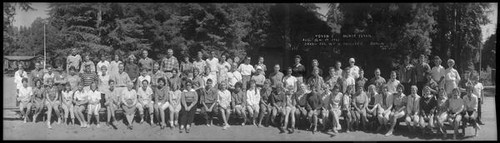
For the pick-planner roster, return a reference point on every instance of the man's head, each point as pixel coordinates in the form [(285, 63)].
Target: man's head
[(21, 67), (276, 68), (38, 65), (437, 60), (145, 84), (212, 54), (316, 71), (315, 63), (338, 64), (297, 59), (247, 60), (209, 83), (377, 72), (261, 59), (104, 69), (145, 53), (156, 66), (352, 61), (200, 55), (421, 58), (223, 58), (451, 63), (170, 53), (87, 68), (120, 67), (407, 60)]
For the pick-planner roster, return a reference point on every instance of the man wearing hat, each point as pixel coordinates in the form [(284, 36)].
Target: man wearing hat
[(298, 70), (353, 69)]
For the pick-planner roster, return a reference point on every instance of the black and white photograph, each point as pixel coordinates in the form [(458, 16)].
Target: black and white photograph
[(250, 71)]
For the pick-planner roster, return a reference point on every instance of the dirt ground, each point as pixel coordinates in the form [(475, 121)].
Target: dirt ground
[(17, 130)]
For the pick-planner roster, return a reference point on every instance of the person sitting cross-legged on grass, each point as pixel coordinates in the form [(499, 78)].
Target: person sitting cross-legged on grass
[(399, 109)]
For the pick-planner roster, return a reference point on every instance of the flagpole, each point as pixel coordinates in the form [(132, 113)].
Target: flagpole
[(44, 49)]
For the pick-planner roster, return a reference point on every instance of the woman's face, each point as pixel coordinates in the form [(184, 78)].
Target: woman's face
[(117, 58), (289, 71), (451, 64), (223, 57), (393, 75)]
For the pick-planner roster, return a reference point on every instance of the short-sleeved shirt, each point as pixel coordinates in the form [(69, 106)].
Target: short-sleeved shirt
[(200, 65), (392, 85), (276, 78), (129, 94), (478, 89), (456, 104), (420, 70), (399, 101), (25, 93), (437, 72), (88, 78), (224, 98), (253, 97), (162, 94), (146, 63), (234, 77), (259, 79), (289, 81), (212, 64), (74, 61), (170, 63), (210, 96), (67, 96), (145, 95), (246, 69), (470, 102), (94, 96), (80, 95)]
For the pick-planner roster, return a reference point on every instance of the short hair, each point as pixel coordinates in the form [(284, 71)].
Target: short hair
[(238, 84), (111, 81), (371, 86), (24, 80), (451, 60), (209, 80), (336, 86), (298, 56), (414, 86), (401, 86), (145, 81), (162, 80), (437, 58), (331, 68), (38, 81)]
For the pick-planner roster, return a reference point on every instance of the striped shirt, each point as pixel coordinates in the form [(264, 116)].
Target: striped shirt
[(88, 78)]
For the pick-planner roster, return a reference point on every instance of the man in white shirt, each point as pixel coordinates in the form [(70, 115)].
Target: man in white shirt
[(353, 69), (24, 97), (145, 101), (246, 71), (212, 62), (234, 76)]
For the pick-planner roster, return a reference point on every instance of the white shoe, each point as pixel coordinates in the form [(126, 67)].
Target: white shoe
[(97, 126)]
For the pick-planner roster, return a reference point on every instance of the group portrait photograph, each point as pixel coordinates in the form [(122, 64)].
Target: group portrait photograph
[(250, 71)]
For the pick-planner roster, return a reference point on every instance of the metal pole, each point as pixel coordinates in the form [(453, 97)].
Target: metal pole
[(44, 49)]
